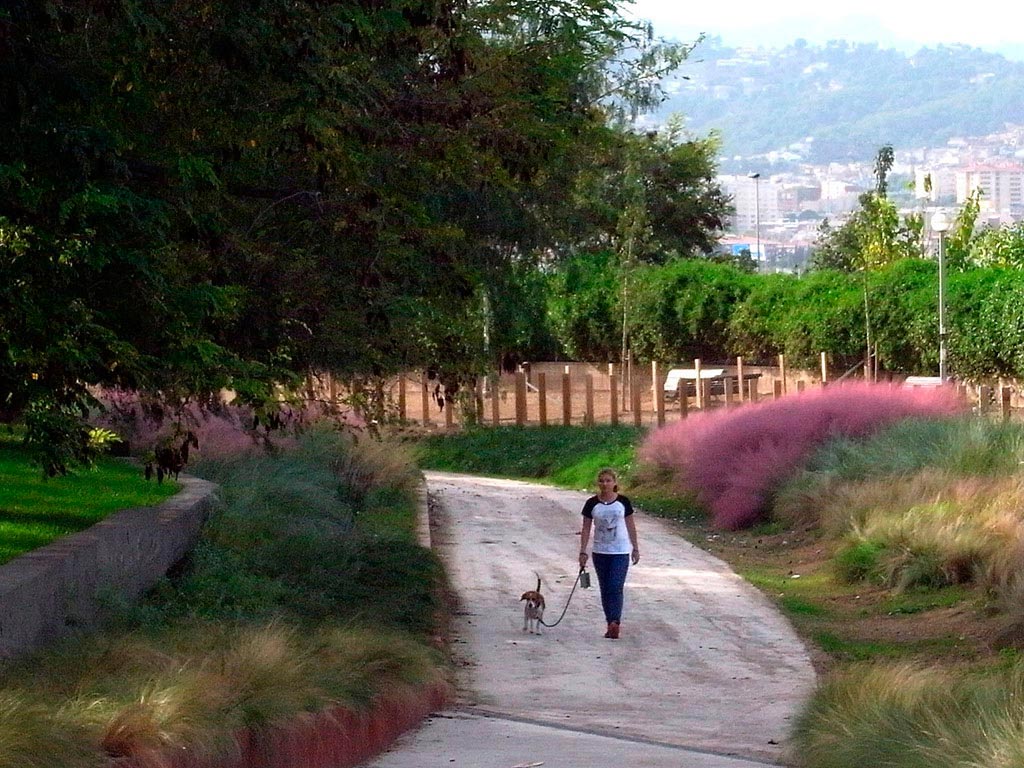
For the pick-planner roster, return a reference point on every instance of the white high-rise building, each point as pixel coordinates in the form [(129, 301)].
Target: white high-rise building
[(753, 199), (1002, 186)]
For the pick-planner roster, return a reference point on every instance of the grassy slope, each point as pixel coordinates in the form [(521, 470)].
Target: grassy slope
[(569, 457), (35, 510)]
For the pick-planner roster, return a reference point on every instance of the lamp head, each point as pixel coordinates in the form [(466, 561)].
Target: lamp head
[(940, 222)]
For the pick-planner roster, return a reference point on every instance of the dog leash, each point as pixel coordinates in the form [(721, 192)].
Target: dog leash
[(568, 600)]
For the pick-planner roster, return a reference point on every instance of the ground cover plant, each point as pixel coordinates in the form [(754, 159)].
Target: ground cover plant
[(306, 591), (35, 510)]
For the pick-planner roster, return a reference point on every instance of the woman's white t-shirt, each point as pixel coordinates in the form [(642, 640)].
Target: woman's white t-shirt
[(610, 534)]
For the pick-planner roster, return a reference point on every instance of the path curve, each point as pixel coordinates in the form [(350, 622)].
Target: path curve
[(705, 664)]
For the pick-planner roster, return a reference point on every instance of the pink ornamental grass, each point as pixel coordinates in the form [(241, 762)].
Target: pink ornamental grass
[(223, 431), (733, 459)]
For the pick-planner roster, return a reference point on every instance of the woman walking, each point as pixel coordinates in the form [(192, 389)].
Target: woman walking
[(609, 515)]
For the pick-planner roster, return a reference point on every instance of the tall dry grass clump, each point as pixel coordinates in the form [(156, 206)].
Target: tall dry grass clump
[(195, 687), (37, 733), (357, 663), (972, 533), (813, 500), (907, 716), (914, 460), (734, 459)]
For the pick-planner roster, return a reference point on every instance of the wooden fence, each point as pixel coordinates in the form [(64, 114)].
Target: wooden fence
[(584, 394)]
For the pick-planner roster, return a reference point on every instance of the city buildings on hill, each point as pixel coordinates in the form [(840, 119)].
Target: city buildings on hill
[(779, 207)]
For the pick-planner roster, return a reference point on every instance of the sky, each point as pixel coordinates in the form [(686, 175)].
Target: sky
[(907, 26)]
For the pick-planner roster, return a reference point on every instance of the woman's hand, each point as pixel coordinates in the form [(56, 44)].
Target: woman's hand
[(583, 559), (636, 555)]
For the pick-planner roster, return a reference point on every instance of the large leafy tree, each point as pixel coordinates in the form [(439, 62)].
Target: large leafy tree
[(201, 195)]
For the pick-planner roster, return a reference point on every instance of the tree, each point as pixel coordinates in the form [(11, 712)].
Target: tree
[(199, 197)]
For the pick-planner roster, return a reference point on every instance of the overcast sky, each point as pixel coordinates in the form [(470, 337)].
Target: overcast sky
[(995, 26)]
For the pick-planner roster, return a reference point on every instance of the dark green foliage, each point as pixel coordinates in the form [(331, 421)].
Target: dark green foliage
[(801, 317), (585, 306), (682, 310), (697, 308), (203, 197)]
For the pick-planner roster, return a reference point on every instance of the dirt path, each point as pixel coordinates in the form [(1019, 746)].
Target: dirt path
[(705, 664)]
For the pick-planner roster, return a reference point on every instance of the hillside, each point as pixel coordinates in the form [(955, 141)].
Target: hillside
[(841, 101)]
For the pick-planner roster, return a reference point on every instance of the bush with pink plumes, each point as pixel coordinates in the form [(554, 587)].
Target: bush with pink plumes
[(734, 459), (222, 430)]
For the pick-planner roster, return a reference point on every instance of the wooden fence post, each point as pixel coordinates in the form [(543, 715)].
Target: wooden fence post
[(520, 398), (588, 417), (801, 385), (728, 391), (478, 400), (658, 390), (739, 379), (683, 388), (449, 413), (401, 397), (1004, 401), (566, 398), (634, 390), (542, 395), (496, 400), (777, 389), (613, 396), (332, 388), (782, 372), (698, 385), (984, 394), (752, 395), (425, 400)]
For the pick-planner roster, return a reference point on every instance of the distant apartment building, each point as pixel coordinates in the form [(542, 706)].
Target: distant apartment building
[(795, 198), (1001, 185), (754, 201)]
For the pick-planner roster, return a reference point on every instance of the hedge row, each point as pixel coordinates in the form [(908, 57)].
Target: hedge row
[(692, 308)]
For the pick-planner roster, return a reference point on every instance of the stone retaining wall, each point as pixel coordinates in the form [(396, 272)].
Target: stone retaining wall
[(63, 586)]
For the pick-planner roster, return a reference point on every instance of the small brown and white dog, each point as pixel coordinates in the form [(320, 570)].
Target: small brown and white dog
[(533, 611)]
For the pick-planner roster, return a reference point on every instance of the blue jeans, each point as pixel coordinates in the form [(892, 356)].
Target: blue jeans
[(611, 578)]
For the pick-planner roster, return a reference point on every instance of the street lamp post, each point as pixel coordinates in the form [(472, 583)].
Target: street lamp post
[(757, 214), (940, 224)]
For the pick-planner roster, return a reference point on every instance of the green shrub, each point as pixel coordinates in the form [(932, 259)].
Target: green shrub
[(858, 560)]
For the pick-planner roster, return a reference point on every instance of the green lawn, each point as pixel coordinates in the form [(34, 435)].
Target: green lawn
[(35, 510), (566, 456)]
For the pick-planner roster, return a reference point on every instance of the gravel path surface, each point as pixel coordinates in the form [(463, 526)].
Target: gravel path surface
[(706, 674)]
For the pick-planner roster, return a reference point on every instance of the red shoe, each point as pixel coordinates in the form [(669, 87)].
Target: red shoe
[(613, 630)]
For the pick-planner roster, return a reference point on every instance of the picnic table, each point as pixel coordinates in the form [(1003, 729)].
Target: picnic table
[(714, 381)]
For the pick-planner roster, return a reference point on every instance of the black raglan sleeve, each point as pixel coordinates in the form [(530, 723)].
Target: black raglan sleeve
[(588, 507)]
